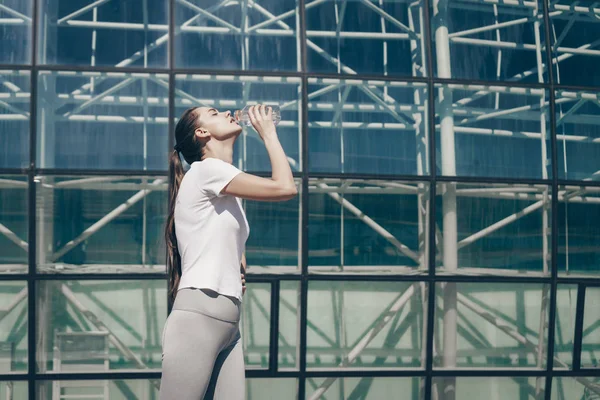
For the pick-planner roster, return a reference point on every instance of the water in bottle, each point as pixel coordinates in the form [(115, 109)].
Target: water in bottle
[(243, 118)]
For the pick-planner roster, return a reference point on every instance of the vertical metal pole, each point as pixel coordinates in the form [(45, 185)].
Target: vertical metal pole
[(417, 49), (31, 204), (303, 300), (245, 42), (450, 255), (429, 392), (546, 205), (554, 204), (172, 77)]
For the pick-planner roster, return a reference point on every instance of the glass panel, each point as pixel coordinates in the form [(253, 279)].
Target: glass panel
[(578, 233), (14, 224), (121, 33), (500, 41), (492, 131), (364, 37), (12, 390), (255, 325), (272, 388), (566, 310), (368, 226), (130, 389), (352, 125), (591, 329), (240, 35), (15, 34), (367, 388), (100, 326), (289, 322), (491, 387), (274, 241), (578, 134), (13, 327), (108, 224), (102, 120), (226, 92), (493, 229), (365, 325), (495, 325), (14, 116), (575, 29), (579, 388)]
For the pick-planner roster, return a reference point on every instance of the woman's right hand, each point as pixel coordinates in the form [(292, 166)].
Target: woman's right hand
[(262, 120)]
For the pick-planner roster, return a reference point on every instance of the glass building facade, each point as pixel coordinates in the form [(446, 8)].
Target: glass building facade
[(445, 242)]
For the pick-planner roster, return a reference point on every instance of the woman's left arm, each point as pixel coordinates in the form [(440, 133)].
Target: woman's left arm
[(243, 272)]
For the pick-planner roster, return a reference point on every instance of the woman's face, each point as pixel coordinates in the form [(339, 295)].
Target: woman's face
[(220, 125)]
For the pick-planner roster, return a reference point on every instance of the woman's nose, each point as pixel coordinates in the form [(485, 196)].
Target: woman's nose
[(228, 113)]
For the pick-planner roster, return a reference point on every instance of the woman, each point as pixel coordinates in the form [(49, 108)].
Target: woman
[(205, 234)]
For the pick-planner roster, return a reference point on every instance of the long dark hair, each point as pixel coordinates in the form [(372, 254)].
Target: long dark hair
[(191, 149)]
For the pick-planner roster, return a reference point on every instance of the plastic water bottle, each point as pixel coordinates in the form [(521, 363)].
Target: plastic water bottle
[(243, 118)]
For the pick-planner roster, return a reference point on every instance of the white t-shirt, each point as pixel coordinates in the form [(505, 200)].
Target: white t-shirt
[(211, 229)]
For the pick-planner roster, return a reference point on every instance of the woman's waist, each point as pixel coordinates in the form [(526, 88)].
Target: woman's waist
[(208, 302)]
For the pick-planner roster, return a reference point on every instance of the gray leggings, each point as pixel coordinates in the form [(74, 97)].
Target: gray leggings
[(201, 348)]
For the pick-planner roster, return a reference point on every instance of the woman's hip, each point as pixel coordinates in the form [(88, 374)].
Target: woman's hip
[(209, 303)]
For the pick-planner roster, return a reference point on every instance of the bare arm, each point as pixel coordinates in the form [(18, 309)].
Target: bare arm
[(281, 186), (243, 263), (243, 272)]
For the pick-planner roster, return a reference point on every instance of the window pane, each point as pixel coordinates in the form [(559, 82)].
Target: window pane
[(102, 120), (578, 234), (14, 117), (108, 224), (574, 36), (566, 311), (491, 387), (100, 326), (365, 325), (232, 93), (247, 36), (122, 33), (583, 388), (368, 226), (14, 224), (255, 325), (289, 322), (15, 35), (364, 37), (130, 389), (495, 325), (500, 41), (273, 244), (13, 328), (272, 388), (368, 127), (14, 390), (591, 329), (492, 131), (494, 229), (578, 134), (367, 388)]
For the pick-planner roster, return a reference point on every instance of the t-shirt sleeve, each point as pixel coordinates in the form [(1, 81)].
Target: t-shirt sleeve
[(214, 175)]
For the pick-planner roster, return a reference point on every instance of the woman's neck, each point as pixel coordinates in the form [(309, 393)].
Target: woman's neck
[(221, 150)]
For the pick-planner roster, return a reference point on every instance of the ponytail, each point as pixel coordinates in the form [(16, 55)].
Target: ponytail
[(176, 174)]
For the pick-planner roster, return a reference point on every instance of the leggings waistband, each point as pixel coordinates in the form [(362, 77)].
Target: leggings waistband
[(208, 302)]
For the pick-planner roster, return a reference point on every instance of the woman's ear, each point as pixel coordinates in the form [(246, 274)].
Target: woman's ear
[(201, 133)]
